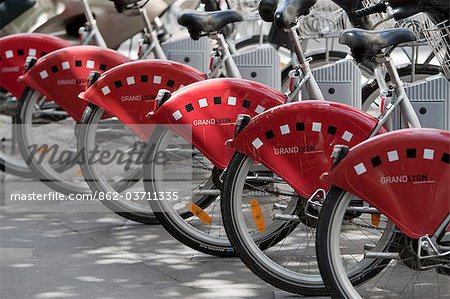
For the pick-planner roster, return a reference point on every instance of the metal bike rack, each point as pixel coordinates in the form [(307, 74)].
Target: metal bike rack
[(430, 99), (189, 52), (261, 65), (340, 82)]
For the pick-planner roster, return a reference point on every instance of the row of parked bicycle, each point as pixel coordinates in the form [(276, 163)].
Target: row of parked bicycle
[(315, 196)]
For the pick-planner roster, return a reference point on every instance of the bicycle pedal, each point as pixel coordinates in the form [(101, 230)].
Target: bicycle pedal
[(369, 246), (280, 207), (286, 218)]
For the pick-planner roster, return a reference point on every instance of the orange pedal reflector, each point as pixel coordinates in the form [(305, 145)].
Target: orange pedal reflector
[(376, 219), (43, 150), (78, 172), (258, 216), (199, 212)]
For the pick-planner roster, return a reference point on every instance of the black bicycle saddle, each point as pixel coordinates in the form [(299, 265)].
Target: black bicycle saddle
[(197, 22), (376, 40), (284, 13), (11, 9)]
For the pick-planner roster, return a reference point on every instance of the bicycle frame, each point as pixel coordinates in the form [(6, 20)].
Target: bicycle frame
[(226, 58), (223, 51), (308, 80), (171, 76), (402, 100), (72, 66), (241, 97), (150, 38)]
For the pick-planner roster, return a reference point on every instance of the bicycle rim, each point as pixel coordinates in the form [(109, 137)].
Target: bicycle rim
[(11, 160), (67, 180)]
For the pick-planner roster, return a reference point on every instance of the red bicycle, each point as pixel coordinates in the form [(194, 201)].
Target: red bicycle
[(388, 212)]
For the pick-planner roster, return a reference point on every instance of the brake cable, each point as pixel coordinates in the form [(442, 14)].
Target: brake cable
[(145, 3)]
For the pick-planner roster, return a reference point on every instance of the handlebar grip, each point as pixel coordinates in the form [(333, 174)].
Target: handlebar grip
[(377, 8), (121, 5), (211, 5)]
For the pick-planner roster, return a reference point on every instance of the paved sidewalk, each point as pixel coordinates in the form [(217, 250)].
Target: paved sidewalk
[(100, 255)]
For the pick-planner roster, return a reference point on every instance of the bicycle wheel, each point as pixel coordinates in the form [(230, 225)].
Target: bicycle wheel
[(46, 140), (383, 255), (10, 159), (289, 264), (205, 236), (97, 136), (194, 219)]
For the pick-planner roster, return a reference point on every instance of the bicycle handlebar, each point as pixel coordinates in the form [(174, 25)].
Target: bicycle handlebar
[(122, 5), (377, 8), (211, 5)]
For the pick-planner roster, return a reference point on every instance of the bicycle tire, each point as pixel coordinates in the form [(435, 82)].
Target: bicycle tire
[(324, 254), (53, 180), (121, 207), (9, 164), (250, 251), (173, 222)]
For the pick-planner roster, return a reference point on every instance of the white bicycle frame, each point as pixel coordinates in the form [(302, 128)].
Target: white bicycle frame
[(398, 86), (154, 47), (384, 60), (90, 31)]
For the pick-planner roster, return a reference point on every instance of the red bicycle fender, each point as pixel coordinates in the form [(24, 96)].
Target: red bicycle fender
[(62, 74), (404, 174), (211, 107), (296, 140), (128, 91), (15, 49)]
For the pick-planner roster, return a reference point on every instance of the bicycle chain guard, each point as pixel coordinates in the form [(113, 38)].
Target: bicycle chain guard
[(404, 174), (211, 108), (296, 140), (62, 74), (14, 51)]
